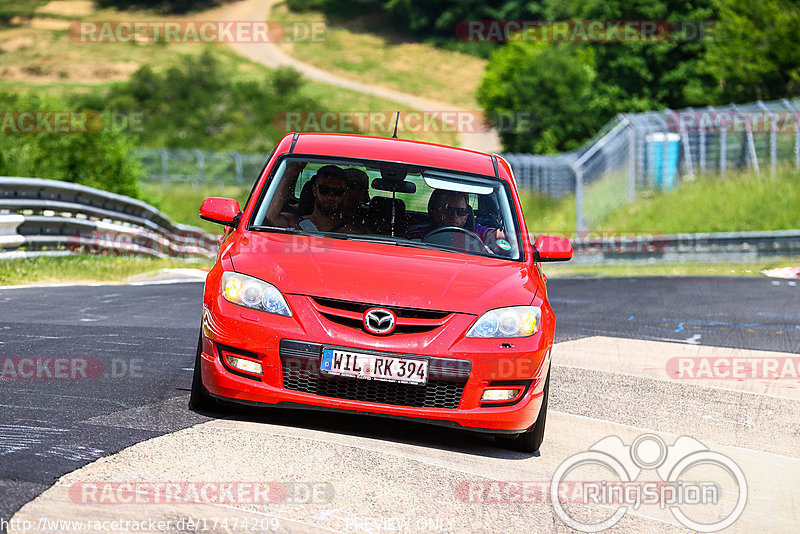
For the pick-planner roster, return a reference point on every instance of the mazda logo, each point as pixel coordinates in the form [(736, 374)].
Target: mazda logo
[(379, 321)]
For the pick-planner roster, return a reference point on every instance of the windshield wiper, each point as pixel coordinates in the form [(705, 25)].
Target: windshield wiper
[(399, 243), (290, 230), (267, 228)]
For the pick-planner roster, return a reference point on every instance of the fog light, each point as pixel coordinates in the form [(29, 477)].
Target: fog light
[(248, 366), (499, 394)]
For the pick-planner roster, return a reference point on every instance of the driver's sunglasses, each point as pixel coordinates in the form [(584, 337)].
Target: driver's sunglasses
[(452, 210), (329, 190)]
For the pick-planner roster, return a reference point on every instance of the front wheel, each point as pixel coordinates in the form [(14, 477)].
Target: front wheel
[(200, 399), (531, 439)]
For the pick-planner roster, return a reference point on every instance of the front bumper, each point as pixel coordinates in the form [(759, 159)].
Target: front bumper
[(265, 337)]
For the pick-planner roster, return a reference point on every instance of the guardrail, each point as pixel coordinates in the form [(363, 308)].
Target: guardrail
[(636, 247), (41, 217)]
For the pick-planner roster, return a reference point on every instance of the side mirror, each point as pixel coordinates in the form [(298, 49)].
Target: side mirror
[(220, 210), (552, 248)]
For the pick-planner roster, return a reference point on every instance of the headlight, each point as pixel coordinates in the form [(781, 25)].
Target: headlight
[(517, 321), (253, 293)]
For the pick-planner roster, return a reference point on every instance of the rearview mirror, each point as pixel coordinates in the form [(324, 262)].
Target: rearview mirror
[(382, 184), (220, 210), (552, 248)]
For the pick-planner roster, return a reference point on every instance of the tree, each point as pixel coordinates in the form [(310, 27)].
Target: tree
[(550, 82), (575, 94), (753, 50), (648, 74)]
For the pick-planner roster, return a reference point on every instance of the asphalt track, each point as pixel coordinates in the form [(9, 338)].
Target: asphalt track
[(142, 341)]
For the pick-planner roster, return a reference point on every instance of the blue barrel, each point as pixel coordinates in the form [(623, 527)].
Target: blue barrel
[(662, 159)]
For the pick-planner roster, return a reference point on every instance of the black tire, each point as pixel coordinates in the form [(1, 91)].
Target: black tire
[(531, 439), (200, 400)]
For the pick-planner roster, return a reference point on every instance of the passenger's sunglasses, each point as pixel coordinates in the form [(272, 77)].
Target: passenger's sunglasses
[(452, 210), (328, 190)]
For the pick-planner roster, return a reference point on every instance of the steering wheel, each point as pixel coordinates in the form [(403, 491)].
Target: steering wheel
[(439, 236)]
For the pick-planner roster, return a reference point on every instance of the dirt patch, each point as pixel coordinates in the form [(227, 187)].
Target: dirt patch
[(12, 45), (83, 72), (77, 8), (42, 23)]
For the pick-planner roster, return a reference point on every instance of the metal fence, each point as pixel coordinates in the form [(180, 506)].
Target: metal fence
[(657, 150), (199, 166)]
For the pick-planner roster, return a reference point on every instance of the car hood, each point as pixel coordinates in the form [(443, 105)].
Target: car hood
[(384, 274)]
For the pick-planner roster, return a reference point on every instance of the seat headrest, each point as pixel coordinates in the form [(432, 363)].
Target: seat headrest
[(305, 204), (380, 215)]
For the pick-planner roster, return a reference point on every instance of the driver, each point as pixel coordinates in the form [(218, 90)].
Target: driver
[(451, 208)]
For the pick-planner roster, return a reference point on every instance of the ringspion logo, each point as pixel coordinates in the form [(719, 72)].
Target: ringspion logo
[(683, 469)]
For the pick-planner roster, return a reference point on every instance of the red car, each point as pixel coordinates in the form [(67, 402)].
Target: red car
[(381, 276)]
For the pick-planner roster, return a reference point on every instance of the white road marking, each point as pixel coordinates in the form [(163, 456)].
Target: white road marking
[(694, 340), (15, 438)]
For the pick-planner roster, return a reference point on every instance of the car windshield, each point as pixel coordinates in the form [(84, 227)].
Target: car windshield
[(391, 203)]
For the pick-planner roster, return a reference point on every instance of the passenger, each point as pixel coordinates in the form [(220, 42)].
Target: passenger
[(328, 190), (355, 199), (451, 208)]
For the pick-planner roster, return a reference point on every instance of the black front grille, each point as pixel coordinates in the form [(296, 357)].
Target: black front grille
[(300, 363), (399, 329), (360, 307)]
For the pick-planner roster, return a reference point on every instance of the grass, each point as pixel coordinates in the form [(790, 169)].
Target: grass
[(181, 203), (23, 8), (548, 215), (48, 61), (85, 268), (352, 49), (740, 202), (566, 270)]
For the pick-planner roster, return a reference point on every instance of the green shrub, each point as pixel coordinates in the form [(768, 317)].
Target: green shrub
[(99, 158), (198, 105)]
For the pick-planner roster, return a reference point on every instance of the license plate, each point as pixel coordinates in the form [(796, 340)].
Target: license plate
[(374, 367)]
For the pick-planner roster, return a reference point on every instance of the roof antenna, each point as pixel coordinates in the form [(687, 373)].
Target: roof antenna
[(397, 120)]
